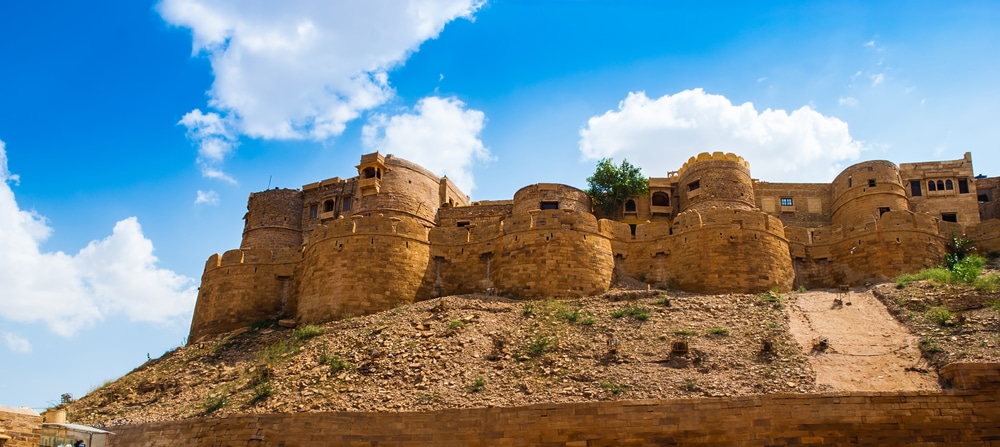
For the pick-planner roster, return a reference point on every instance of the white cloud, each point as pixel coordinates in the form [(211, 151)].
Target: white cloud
[(299, 69), (660, 134), (207, 197), (16, 343), (440, 135), (877, 78), (115, 275), (848, 101), (870, 43)]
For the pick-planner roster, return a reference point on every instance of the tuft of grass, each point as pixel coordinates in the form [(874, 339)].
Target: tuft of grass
[(588, 321), (614, 388), (528, 310), (988, 284), (276, 351), (685, 332), (995, 305), (929, 346), (215, 401), (306, 332), (456, 325), (690, 384), (772, 296), (261, 392), (478, 384), (638, 313), (718, 331), (570, 317), (336, 363), (538, 346), (801, 289), (939, 315)]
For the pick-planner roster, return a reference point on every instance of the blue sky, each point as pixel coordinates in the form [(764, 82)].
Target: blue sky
[(133, 131)]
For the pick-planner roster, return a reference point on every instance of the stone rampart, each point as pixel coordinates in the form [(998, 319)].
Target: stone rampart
[(897, 242), (242, 286), (985, 235), (475, 214), (273, 219), (463, 257), (862, 192), (542, 195), (962, 416), (363, 265), (550, 253)]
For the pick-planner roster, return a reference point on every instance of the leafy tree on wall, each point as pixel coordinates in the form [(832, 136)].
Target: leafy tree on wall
[(611, 185)]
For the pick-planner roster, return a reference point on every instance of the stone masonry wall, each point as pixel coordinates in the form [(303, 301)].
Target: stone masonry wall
[(968, 417), (273, 219), (552, 253), (985, 235), (949, 199), (898, 242), (242, 286), (530, 198), (462, 258), (363, 265), (988, 196), (20, 427), (811, 202), (407, 190)]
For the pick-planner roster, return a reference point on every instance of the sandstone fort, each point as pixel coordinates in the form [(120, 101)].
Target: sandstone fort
[(396, 233)]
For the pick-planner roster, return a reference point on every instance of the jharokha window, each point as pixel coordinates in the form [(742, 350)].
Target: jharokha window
[(630, 206)]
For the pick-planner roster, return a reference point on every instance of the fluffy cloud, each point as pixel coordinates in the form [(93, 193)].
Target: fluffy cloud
[(302, 69), (115, 275), (440, 135), (661, 134)]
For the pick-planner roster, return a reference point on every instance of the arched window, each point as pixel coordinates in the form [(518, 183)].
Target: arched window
[(661, 199), (630, 206), (940, 185), (930, 186), (948, 185), (368, 172), (328, 206)]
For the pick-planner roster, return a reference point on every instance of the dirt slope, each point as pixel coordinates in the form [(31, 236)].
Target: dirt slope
[(866, 348)]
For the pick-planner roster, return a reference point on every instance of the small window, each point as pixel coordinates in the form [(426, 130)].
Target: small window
[(632, 227), (930, 186), (630, 206), (786, 201), (328, 206), (948, 185), (984, 198), (963, 186), (463, 223), (313, 211), (346, 204), (694, 185), (882, 210), (549, 205), (949, 217), (850, 182), (940, 185), (368, 172), (915, 189), (661, 199), (871, 183)]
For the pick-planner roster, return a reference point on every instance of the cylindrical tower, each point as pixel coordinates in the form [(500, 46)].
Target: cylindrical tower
[(715, 180), (865, 191), (273, 219), (551, 196)]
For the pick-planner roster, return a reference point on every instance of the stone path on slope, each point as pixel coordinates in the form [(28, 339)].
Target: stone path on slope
[(866, 348)]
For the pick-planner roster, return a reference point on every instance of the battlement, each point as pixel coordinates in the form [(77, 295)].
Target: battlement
[(714, 156)]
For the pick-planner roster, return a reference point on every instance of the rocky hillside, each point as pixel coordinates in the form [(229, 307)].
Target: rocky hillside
[(472, 351)]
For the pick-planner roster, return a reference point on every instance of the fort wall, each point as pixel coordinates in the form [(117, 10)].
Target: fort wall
[(404, 190), (985, 236), (363, 265), (800, 204), (862, 192), (988, 196), (273, 219), (966, 415), (242, 286)]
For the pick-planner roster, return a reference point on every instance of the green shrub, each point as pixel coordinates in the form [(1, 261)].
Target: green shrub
[(638, 313), (968, 269), (939, 315), (929, 346), (570, 317), (528, 309), (614, 388), (718, 331), (456, 325), (337, 364), (538, 346), (306, 332), (215, 401), (477, 385), (988, 284)]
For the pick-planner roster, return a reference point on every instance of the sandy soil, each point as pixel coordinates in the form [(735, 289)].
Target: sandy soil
[(866, 348)]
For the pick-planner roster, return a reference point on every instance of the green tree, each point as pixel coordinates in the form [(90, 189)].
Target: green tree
[(611, 185)]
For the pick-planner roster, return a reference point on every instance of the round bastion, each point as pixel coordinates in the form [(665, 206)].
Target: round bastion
[(716, 180)]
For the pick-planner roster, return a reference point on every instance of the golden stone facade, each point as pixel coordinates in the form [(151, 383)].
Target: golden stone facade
[(397, 233)]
